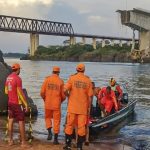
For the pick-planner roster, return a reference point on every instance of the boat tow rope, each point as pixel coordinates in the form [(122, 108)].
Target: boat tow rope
[(6, 132), (30, 130)]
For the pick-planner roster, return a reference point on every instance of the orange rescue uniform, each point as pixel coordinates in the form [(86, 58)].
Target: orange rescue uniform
[(80, 91), (108, 100), (52, 92)]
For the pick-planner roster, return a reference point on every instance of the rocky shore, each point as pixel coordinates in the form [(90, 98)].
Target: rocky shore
[(5, 70)]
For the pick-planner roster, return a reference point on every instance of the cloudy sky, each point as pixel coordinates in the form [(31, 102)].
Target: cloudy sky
[(86, 16)]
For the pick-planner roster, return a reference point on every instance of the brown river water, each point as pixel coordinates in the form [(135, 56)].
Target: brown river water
[(133, 131)]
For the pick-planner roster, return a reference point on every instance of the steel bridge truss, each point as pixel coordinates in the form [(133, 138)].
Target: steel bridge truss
[(25, 25)]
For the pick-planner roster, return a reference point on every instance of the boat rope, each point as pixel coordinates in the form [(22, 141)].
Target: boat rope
[(3, 112), (30, 130), (6, 132)]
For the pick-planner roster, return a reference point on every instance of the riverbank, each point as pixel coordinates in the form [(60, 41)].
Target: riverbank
[(77, 53), (44, 145)]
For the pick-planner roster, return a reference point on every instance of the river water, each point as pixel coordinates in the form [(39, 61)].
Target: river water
[(134, 130)]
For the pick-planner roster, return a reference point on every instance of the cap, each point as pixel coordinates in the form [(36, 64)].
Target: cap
[(80, 67), (56, 68), (15, 66)]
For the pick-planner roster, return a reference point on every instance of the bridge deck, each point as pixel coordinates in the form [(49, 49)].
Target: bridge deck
[(137, 18), (27, 25)]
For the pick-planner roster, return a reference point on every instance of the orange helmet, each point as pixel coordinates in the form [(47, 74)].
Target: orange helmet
[(80, 67), (56, 69), (112, 81), (15, 66)]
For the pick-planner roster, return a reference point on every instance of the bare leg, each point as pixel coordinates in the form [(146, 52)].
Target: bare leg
[(103, 110), (10, 130), (22, 131), (87, 136), (107, 113)]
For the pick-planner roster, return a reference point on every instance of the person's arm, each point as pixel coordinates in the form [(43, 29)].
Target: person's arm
[(6, 88), (43, 90), (67, 87), (96, 95), (20, 93), (120, 92), (115, 103), (90, 97), (114, 100), (100, 94), (63, 96)]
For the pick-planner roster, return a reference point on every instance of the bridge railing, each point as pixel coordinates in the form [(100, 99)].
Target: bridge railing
[(26, 25)]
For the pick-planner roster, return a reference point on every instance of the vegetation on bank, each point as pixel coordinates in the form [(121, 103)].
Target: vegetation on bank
[(84, 53), (14, 55)]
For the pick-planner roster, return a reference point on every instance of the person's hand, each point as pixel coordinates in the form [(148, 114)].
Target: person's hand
[(119, 98), (27, 109), (89, 111), (117, 109), (66, 92)]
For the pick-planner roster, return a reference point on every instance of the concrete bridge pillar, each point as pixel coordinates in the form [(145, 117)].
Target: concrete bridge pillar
[(94, 43), (133, 40), (83, 40), (112, 43), (103, 43), (120, 43), (133, 44), (34, 43), (128, 43), (72, 40), (144, 39)]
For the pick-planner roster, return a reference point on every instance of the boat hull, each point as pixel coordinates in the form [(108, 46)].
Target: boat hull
[(114, 118)]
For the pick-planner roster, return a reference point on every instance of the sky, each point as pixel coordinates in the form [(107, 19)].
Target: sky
[(97, 17)]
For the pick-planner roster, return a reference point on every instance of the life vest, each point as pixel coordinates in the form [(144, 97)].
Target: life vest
[(114, 88)]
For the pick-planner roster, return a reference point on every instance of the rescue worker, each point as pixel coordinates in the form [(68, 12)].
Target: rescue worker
[(80, 93), (91, 111), (16, 98), (116, 88), (52, 92), (118, 91), (107, 100)]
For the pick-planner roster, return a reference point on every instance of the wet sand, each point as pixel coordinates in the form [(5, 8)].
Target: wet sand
[(45, 145)]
